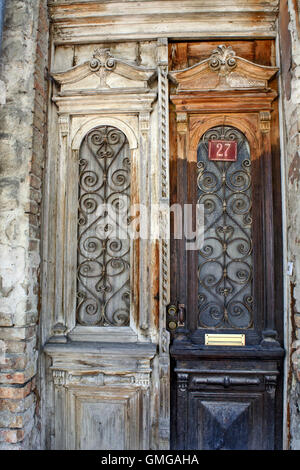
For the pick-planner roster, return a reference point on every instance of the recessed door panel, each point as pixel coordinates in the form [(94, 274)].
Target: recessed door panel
[(223, 424)]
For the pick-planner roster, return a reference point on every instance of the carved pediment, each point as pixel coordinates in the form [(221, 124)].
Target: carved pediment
[(223, 70), (104, 73)]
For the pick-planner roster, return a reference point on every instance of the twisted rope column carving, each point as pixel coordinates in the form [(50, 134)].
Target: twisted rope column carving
[(164, 242)]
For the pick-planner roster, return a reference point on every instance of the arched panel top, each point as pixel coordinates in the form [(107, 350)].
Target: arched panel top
[(104, 121), (200, 127)]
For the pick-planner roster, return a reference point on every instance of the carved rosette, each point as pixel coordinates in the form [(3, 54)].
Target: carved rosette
[(102, 58), (101, 63), (223, 60)]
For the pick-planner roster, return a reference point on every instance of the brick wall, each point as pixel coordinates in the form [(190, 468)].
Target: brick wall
[(22, 151)]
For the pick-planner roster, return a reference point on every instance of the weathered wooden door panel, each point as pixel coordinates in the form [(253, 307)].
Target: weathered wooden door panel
[(103, 323), (224, 321)]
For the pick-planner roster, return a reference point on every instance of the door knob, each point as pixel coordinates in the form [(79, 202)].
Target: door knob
[(175, 316)]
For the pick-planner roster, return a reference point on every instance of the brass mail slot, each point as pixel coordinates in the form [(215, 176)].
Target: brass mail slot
[(224, 340)]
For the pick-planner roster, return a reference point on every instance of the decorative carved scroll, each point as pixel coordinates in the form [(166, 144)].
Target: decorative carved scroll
[(223, 59), (113, 73), (223, 70), (101, 63)]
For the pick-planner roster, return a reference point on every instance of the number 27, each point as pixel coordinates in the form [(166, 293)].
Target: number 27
[(220, 150)]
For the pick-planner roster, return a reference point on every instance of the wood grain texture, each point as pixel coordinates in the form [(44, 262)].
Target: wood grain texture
[(100, 384), (186, 54), (90, 21), (203, 406)]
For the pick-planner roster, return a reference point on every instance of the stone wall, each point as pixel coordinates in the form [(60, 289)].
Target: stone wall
[(290, 64), (22, 143)]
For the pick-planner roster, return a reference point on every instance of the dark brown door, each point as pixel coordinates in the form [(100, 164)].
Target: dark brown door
[(226, 314)]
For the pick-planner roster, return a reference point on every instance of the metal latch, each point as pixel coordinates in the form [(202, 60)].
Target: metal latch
[(175, 316)]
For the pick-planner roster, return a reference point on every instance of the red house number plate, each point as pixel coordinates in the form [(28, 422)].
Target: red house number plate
[(222, 150)]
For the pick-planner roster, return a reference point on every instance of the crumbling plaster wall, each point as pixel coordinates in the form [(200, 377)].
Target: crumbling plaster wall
[(290, 74), (22, 143)]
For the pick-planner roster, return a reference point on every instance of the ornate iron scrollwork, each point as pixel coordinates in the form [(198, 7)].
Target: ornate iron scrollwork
[(103, 289), (225, 260)]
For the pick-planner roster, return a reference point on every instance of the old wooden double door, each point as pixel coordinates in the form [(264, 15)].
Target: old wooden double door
[(225, 316)]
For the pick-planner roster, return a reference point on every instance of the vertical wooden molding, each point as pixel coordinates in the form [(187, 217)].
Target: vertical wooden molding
[(182, 126), (59, 381), (163, 116), (70, 271), (269, 333), (164, 241), (145, 155), (182, 420), (270, 385), (59, 328)]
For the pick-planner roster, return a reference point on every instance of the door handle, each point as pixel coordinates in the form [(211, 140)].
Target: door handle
[(226, 381), (175, 316), (181, 314)]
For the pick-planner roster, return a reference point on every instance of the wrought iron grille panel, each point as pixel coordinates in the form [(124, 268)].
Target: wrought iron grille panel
[(225, 261), (103, 276)]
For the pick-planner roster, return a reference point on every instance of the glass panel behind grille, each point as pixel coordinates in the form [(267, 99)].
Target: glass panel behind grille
[(103, 285), (225, 261)]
